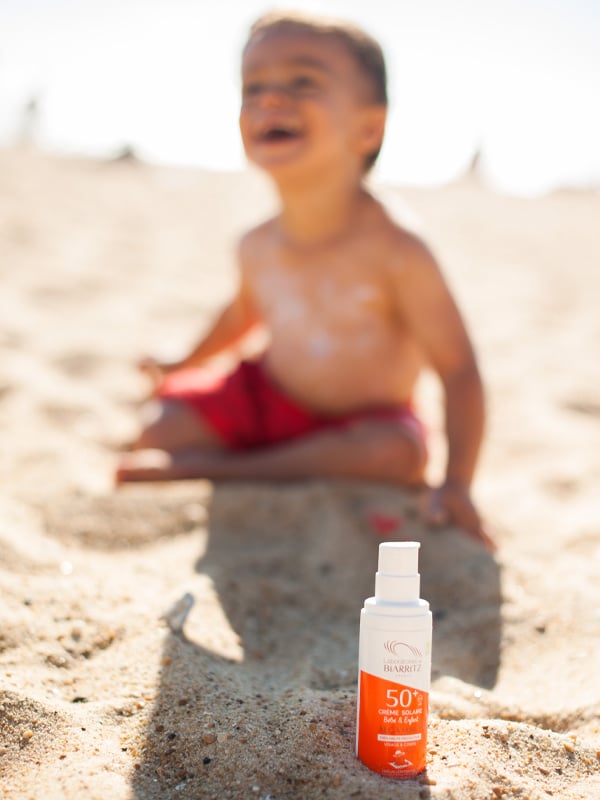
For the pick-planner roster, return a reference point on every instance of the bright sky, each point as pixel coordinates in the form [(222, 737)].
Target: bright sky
[(518, 78)]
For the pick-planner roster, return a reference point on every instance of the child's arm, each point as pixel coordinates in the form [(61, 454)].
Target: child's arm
[(235, 320), (432, 317)]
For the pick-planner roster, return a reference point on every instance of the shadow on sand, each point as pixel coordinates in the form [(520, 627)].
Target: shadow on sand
[(263, 704)]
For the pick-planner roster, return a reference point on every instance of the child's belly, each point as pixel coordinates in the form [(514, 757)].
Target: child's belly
[(335, 373)]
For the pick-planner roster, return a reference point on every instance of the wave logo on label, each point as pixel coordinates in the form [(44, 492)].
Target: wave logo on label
[(402, 649), (405, 764)]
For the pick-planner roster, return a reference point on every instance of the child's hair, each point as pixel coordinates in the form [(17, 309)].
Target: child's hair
[(362, 47)]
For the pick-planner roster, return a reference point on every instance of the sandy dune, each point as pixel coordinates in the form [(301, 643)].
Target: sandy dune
[(103, 262)]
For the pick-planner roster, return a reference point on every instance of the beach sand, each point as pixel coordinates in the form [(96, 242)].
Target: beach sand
[(102, 262)]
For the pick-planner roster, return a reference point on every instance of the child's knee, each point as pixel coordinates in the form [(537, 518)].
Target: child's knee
[(156, 426), (393, 452), (169, 424)]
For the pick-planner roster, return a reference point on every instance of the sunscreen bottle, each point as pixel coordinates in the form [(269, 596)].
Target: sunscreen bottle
[(394, 669)]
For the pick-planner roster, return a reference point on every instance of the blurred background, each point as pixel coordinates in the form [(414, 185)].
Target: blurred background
[(511, 84)]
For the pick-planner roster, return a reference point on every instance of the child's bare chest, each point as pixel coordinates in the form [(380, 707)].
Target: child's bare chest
[(330, 295)]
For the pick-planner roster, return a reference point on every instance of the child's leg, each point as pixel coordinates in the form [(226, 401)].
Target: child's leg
[(170, 424), (368, 450)]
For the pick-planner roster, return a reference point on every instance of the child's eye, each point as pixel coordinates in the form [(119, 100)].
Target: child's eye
[(251, 89), (303, 83)]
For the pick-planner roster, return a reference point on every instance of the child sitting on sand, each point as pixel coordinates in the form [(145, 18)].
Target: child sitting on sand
[(354, 304)]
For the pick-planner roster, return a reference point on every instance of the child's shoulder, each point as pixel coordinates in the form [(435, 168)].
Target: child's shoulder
[(400, 241), (255, 241)]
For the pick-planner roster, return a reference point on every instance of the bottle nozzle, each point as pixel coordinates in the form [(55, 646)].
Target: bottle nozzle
[(397, 579)]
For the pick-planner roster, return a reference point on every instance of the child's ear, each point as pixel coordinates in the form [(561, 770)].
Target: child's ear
[(372, 128)]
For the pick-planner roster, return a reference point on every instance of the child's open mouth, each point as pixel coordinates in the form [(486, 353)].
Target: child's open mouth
[(278, 133)]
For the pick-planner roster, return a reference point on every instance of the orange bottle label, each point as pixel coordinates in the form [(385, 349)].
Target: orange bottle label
[(392, 727)]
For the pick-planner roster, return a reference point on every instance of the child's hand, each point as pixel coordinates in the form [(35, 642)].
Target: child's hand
[(451, 503), (155, 370)]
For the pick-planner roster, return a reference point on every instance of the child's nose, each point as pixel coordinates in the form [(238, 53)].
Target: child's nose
[(274, 96)]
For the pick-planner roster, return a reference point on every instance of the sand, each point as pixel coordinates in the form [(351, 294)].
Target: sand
[(255, 697)]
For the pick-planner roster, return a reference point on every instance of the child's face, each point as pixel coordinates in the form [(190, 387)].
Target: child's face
[(306, 104)]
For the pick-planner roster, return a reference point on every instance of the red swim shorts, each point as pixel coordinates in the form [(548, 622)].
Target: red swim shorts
[(248, 411)]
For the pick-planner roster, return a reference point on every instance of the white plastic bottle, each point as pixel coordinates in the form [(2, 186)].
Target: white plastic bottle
[(394, 668)]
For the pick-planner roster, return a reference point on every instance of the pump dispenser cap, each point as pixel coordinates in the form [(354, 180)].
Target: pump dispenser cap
[(397, 579)]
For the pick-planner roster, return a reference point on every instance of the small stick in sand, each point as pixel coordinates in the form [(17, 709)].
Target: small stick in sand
[(177, 614)]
